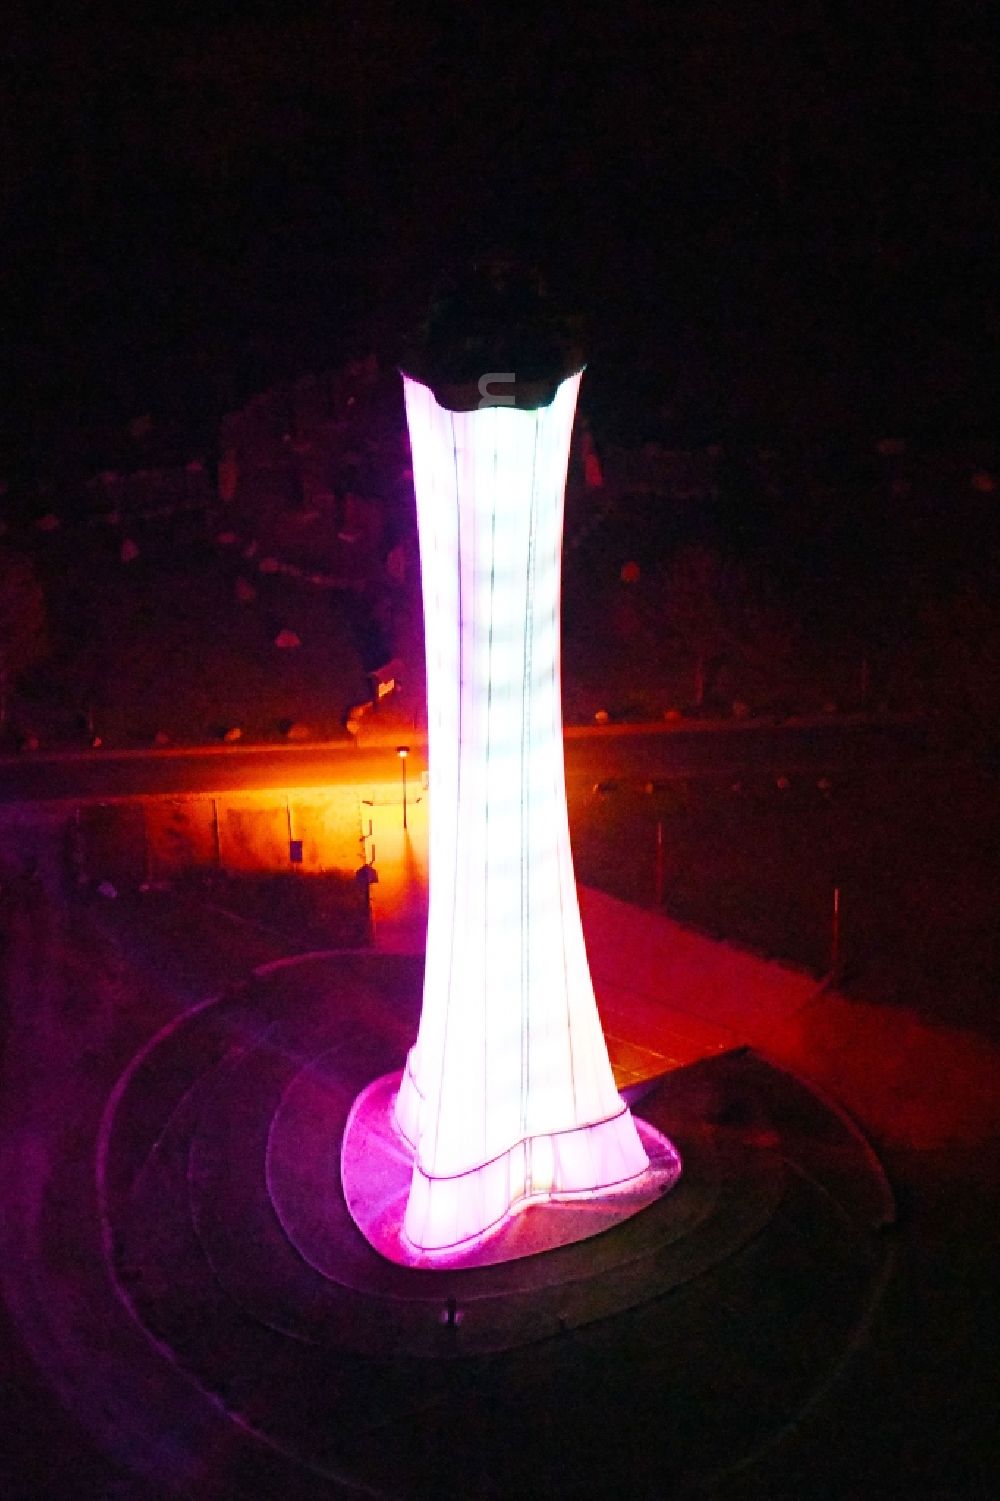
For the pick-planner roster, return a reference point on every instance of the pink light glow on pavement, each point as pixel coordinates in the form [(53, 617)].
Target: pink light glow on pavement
[(377, 1178), (508, 1093)]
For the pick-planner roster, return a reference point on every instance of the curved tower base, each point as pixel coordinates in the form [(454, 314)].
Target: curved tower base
[(581, 1159), (380, 1187)]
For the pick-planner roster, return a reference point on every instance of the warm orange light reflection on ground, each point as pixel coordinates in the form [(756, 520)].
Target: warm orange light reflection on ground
[(399, 900)]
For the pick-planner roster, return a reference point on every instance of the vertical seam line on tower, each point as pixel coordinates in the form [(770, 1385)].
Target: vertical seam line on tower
[(489, 703), (559, 772), (525, 790), (458, 785)]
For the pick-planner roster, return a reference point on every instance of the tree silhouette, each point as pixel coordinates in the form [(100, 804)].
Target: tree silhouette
[(720, 612), (960, 638)]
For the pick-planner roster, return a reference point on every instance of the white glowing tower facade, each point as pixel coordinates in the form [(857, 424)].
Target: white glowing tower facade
[(508, 1094)]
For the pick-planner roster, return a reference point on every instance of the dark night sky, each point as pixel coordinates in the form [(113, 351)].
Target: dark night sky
[(775, 213)]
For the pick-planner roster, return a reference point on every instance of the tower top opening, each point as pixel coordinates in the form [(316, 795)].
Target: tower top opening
[(494, 336)]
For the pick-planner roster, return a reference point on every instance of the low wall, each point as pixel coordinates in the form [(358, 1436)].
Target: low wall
[(313, 832)]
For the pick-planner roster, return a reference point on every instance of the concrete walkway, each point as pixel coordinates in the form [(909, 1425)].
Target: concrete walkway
[(667, 995)]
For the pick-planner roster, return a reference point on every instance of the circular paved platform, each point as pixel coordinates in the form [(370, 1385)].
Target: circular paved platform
[(691, 1333)]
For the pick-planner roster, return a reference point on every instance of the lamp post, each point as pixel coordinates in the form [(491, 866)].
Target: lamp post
[(402, 751)]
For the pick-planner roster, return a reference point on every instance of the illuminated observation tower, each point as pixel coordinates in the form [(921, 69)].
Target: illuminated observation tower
[(508, 1096)]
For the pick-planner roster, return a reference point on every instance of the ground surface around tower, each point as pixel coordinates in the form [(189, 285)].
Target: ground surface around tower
[(218, 1166), (151, 1280)]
